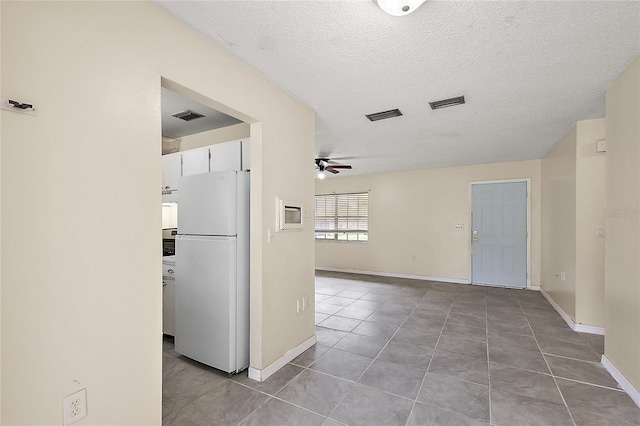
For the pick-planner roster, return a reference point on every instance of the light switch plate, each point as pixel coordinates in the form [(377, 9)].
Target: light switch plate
[(458, 227)]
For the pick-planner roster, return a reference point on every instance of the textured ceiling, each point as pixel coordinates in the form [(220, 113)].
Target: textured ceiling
[(527, 69)]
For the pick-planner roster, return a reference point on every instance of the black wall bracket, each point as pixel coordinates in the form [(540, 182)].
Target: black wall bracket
[(17, 106)]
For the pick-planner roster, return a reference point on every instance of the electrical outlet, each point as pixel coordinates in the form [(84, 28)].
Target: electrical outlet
[(74, 407), (304, 304), (563, 276)]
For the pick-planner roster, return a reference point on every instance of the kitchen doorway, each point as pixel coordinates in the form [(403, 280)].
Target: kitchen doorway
[(500, 233)]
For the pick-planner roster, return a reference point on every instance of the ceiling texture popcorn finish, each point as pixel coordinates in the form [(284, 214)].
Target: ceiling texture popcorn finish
[(527, 70)]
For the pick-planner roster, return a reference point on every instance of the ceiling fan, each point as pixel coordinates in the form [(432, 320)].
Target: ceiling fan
[(328, 165)]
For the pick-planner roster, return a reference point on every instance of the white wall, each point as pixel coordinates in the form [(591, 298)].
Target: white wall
[(414, 213), (81, 293), (622, 258)]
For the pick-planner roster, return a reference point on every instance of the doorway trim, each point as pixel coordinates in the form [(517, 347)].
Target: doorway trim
[(528, 182)]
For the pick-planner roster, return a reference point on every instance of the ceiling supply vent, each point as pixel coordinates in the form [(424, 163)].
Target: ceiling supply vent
[(384, 115), (447, 102), (187, 115)]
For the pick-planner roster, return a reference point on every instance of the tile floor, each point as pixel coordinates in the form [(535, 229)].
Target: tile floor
[(405, 352)]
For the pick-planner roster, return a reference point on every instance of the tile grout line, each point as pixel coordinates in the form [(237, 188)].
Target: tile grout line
[(486, 311), (415, 401), (547, 364), (356, 382)]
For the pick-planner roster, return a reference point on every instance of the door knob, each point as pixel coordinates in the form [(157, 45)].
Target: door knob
[(475, 239)]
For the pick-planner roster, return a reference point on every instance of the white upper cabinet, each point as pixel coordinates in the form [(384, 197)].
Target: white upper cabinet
[(232, 155), (171, 171), (195, 161), (226, 156)]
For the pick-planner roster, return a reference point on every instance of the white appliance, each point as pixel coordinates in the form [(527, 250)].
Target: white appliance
[(212, 269)]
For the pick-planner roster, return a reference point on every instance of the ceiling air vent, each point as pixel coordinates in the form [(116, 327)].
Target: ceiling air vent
[(384, 115), (187, 115), (447, 102)]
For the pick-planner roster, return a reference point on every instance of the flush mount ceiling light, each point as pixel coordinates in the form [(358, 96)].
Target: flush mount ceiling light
[(399, 7)]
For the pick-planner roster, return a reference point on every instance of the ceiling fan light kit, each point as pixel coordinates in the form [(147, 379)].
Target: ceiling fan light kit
[(327, 165), (399, 7)]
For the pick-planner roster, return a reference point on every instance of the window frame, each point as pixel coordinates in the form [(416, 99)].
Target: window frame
[(347, 227)]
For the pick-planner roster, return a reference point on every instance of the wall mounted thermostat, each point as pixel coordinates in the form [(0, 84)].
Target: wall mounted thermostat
[(290, 215)]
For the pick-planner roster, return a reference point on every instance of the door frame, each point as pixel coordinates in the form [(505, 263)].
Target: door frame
[(470, 236)]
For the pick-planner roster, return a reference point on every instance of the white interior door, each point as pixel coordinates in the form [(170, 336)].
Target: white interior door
[(499, 234)]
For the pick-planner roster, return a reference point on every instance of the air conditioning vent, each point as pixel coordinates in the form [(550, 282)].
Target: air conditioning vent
[(384, 115), (187, 115), (445, 103)]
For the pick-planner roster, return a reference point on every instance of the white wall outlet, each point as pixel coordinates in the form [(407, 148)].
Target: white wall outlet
[(458, 227), (74, 407), (563, 276), (600, 232), (304, 304)]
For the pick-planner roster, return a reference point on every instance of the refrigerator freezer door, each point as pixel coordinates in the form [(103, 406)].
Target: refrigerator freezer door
[(207, 204), (206, 306)]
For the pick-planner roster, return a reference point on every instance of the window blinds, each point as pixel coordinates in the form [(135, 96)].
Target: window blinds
[(342, 217)]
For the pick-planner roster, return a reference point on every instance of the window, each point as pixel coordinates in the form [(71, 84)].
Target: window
[(342, 217)]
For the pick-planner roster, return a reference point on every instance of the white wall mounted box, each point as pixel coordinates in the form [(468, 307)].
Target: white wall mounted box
[(290, 215)]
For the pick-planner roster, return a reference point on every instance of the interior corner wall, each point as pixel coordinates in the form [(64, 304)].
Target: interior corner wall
[(573, 200), (210, 137), (558, 175), (412, 217), (81, 207), (590, 207), (622, 221)]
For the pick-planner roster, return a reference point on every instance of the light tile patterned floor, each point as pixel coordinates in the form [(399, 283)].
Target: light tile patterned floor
[(404, 352)]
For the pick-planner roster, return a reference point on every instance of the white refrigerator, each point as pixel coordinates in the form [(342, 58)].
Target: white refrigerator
[(212, 269)]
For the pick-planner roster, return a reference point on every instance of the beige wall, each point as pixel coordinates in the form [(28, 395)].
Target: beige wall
[(81, 293), (590, 205), (622, 258), (414, 213), (224, 134), (558, 221), (573, 200)]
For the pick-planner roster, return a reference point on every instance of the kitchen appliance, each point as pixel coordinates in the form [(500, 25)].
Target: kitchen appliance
[(168, 295), (212, 270), (169, 242)]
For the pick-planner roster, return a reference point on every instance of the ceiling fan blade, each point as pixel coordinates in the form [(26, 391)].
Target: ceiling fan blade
[(330, 169), (340, 166)]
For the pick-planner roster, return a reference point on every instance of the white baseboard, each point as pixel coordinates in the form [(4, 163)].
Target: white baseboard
[(622, 381), (262, 375), (535, 287), (582, 328), (393, 275)]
